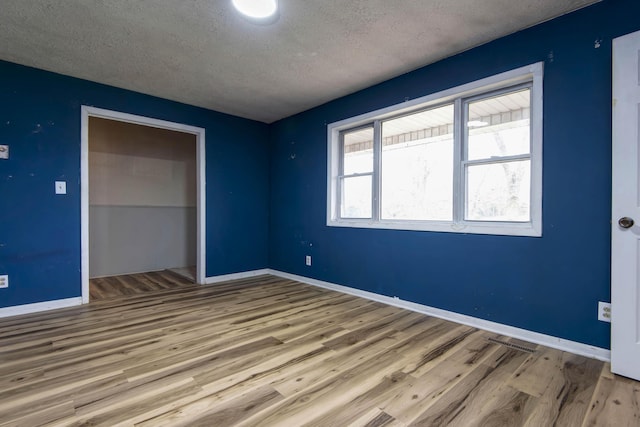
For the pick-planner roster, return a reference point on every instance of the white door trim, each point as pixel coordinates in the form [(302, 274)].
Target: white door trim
[(86, 112)]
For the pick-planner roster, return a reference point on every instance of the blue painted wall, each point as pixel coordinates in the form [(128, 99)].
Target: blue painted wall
[(550, 284), (266, 203), (40, 232)]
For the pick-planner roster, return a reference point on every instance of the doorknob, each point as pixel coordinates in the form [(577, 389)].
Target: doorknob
[(625, 222)]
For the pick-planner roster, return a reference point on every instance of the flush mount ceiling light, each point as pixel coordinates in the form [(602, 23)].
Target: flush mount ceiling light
[(257, 10)]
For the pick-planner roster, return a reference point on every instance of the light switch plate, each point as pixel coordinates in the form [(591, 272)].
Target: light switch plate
[(4, 151), (61, 187)]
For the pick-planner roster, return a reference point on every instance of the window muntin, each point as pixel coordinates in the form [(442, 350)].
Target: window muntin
[(490, 183)]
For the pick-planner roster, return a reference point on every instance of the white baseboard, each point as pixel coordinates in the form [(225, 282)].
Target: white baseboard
[(499, 328), (70, 302), (235, 276), (39, 306), (523, 334)]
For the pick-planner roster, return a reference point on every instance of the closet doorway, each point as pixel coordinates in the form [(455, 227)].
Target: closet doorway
[(142, 183)]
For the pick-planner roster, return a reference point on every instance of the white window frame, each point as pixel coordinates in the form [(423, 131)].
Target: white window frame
[(530, 74)]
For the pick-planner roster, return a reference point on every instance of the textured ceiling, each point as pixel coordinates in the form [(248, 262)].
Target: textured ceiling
[(202, 53)]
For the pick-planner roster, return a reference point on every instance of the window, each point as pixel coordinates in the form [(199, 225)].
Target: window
[(468, 159)]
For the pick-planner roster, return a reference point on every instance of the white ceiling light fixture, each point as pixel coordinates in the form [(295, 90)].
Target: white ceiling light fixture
[(262, 11)]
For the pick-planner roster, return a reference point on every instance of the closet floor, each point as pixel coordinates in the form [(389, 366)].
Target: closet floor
[(134, 284)]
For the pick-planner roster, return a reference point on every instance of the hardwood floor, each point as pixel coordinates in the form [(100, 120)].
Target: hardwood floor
[(188, 272), (273, 352), (132, 284)]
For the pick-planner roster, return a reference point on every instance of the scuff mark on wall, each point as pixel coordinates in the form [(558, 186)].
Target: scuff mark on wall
[(292, 156)]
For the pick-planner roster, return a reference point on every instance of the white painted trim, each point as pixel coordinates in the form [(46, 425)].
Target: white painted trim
[(86, 112), (40, 306), (489, 228), (84, 203), (235, 276), (537, 143), (523, 334)]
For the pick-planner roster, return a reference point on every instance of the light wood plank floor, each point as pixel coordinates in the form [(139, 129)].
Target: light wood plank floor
[(188, 272), (133, 284), (273, 352)]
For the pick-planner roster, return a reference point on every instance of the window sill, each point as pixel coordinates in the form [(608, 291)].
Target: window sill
[(527, 229)]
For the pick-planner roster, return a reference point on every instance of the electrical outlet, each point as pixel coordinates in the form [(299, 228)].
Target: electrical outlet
[(4, 281), (604, 311), (307, 260)]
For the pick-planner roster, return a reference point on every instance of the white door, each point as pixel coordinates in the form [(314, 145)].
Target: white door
[(625, 233)]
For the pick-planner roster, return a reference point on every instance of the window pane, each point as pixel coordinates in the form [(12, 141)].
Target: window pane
[(358, 151), (499, 191), (417, 166), (499, 126), (356, 197)]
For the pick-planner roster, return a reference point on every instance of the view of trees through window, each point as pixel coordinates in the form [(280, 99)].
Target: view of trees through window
[(417, 163), (498, 168)]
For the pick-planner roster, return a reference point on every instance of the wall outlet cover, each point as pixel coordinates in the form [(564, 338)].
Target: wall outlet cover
[(604, 311)]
